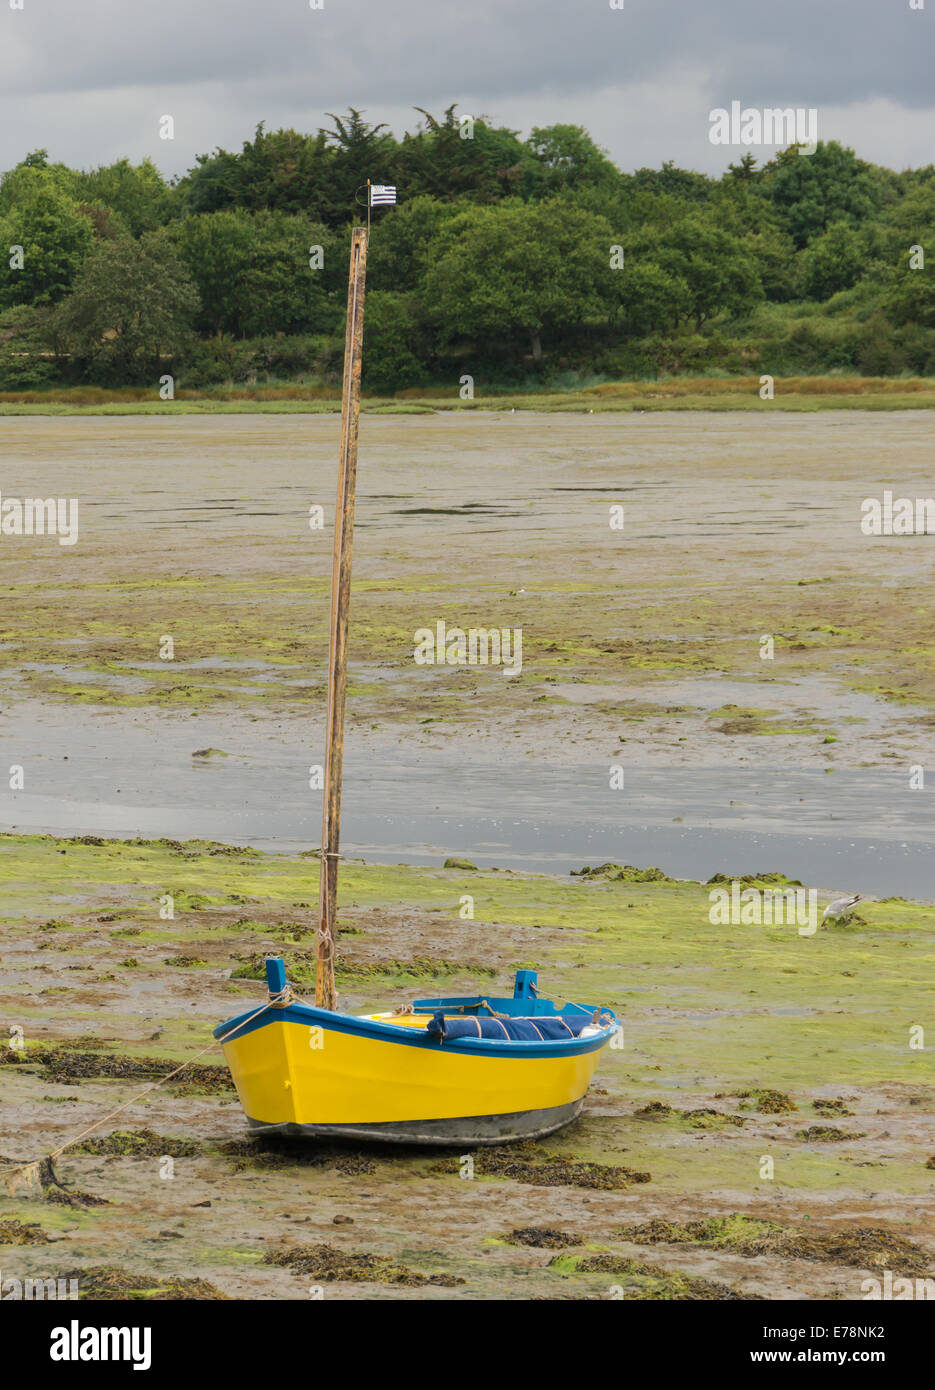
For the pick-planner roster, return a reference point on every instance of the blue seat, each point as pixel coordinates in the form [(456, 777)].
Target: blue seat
[(543, 1028)]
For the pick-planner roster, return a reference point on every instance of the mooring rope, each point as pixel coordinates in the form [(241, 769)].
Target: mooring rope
[(476, 1004), (29, 1173), (325, 943)]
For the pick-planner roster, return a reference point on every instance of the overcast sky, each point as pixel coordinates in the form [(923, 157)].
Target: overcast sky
[(90, 79)]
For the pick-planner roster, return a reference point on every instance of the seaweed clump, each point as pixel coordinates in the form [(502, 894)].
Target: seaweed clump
[(543, 1238), (528, 1164), (771, 877), (15, 1232), (769, 1102), (623, 873), (63, 1065), (656, 1283), (832, 1107), (867, 1247), (271, 1153), (702, 1118), (103, 1282), (139, 1143), (328, 1264), (825, 1134), (72, 1197)]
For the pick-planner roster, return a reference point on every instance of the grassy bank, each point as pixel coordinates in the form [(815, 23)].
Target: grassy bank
[(677, 393)]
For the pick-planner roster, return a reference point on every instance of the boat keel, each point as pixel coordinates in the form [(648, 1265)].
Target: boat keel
[(470, 1129)]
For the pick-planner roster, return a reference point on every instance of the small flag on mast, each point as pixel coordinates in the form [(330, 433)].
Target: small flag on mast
[(382, 193)]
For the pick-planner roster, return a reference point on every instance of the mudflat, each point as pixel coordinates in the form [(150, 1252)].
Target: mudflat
[(764, 1131), (641, 646), (735, 529)]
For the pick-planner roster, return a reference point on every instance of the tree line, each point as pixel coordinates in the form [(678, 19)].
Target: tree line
[(516, 260)]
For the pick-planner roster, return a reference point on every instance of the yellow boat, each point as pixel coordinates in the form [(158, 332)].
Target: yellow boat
[(452, 1071), (442, 1071)]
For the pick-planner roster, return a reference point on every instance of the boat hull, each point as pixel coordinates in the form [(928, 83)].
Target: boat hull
[(312, 1073), (470, 1129)]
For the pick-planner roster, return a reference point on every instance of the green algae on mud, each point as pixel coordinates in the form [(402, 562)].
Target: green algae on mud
[(605, 656), (768, 1102), (865, 1247), (686, 990), (732, 1036), (646, 1281), (300, 966)]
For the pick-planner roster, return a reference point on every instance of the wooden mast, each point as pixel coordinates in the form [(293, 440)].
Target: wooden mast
[(325, 996)]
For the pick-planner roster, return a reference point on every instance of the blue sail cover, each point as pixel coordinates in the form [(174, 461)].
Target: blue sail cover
[(539, 1029)]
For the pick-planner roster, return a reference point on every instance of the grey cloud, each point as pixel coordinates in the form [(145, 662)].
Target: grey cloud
[(90, 79)]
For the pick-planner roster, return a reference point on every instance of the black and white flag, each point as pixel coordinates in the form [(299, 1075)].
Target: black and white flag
[(382, 193)]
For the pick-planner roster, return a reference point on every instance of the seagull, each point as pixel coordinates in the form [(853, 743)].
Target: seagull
[(840, 908)]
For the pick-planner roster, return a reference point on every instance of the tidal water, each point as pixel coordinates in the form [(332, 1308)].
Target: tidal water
[(861, 831)]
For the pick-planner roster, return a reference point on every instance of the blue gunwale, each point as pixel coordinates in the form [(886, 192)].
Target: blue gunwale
[(404, 1036)]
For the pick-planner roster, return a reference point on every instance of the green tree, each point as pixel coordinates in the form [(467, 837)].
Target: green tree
[(480, 163), (738, 206), (25, 363), (910, 222), (358, 152), (520, 271), (279, 170), (562, 157), (745, 171), (131, 307), (401, 247), (286, 295), (19, 186), (719, 268), (652, 300), (684, 184), (810, 192), (137, 193), (392, 358), (910, 299), (218, 249), (833, 261), (253, 274), (55, 237)]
